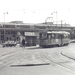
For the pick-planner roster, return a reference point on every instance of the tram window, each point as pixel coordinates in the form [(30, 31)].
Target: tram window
[(43, 35), (10, 38), (62, 36), (59, 36), (65, 36), (49, 36), (7, 38), (17, 38), (53, 36), (68, 36), (40, 36), (8, 32)]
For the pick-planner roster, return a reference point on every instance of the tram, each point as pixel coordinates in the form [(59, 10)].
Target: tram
[(51, 38)]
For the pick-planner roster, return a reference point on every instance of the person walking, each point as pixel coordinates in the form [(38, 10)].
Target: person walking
[(23, 43)]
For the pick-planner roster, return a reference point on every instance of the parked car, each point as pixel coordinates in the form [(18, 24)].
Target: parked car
[(9, 44)]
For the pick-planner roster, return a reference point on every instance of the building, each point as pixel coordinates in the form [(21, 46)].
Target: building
[(19, 31)]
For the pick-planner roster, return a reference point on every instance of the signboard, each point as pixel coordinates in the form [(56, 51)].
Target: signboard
[(29, 34)]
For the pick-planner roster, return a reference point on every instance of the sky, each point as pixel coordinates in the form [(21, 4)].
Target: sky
[(38, 11)]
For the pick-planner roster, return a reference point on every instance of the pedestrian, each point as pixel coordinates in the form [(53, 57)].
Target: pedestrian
[(23, 43)]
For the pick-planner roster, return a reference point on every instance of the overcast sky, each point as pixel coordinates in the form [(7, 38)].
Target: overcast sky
[(37, 11)]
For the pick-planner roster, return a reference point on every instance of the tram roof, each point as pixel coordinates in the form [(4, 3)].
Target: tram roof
[(58, 32)]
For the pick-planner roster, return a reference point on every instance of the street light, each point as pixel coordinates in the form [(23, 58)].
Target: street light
[(4, 24), (4, 15)]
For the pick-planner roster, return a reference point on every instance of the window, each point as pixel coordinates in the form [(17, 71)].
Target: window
[(65, 36), (53, 36), (59, 36), (2, 32), (49, 36), (43, 35), (7, 38), (17, 38), (40, 36), (10, 38), (2, 37)]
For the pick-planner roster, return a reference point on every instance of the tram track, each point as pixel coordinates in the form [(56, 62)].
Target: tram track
[(9, 57), (53, 58), (63, 63)]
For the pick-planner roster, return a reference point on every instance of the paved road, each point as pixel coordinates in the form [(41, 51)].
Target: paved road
[(38, 61)]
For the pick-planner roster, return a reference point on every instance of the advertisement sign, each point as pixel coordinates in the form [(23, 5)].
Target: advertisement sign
[(29, 34)]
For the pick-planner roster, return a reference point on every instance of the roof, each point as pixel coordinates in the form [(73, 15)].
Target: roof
[(10, 23)]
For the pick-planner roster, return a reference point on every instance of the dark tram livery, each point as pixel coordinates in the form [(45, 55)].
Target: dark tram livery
[(50, 38)]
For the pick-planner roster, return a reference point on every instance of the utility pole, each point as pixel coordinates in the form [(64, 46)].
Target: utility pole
[(61, 25), (4, 24), (61, 35)]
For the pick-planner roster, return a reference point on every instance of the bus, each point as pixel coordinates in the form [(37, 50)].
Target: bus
[(51, 38)]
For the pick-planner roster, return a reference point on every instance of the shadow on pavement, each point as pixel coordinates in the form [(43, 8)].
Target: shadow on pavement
[(33, 48), (30, 65)]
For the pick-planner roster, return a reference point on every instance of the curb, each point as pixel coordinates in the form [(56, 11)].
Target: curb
[(67, 56)]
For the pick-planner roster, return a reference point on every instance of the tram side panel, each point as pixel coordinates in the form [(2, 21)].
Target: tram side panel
[(51, 39), (56, 38)]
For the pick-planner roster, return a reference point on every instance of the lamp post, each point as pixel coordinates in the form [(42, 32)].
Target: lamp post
[(61, 24), (4, 24)]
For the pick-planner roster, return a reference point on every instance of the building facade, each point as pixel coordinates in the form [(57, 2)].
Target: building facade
[(29, 32)]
